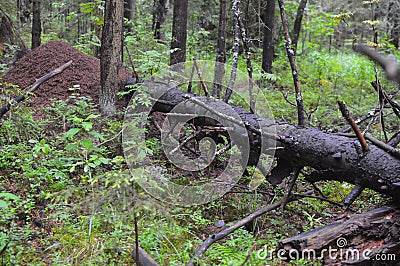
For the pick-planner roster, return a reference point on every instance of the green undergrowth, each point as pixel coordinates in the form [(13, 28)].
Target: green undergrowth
[(66, 196)]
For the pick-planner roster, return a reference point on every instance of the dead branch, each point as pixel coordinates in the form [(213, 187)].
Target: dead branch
[(346, 114), (35, 85), (200, 75), (218, 236)]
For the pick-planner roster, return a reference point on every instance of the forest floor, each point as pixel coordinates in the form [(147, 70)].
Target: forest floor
[(83, 77)]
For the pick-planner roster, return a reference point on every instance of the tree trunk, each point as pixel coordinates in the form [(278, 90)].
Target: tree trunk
[(8, 32), (129, 9), (219, 71), (268, 42), (329, 156), (110, 55), (160, 10), (297, 24), (179, 34), (394, 9), (36, 24)]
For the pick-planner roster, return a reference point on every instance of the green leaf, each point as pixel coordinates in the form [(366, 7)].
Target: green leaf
[(3, 204), (87, 126), (72, 132), (87, 143), (9, 196), (96, 134), (91, 116)]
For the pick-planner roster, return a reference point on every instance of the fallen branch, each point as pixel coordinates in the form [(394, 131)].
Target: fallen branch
[(35, 85), (218, 236)]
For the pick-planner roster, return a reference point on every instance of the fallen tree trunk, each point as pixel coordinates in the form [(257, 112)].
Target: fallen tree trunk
[(360, 239), (331, 156)]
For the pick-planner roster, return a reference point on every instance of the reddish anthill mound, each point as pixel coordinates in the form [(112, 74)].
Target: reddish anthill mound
[(85, 71)]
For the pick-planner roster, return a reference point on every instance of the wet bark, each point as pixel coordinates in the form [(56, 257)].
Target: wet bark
[(221, 49), (179, 34), (268, 42), (36, 24), (160, 10), (330, 156), (110, 60), (297, 24)]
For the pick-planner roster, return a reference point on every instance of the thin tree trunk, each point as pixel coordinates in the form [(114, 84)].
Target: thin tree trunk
[(268, 42), (179, 35), (129, 9), (229, 89), (292, 59), (159, 17), (110, 60), (219, 71), (36, 24), (297, 24)]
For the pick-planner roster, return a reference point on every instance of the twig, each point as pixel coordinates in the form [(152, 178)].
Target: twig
[(322, 199), (183, 143), (35, 85), (292, 60), (292, 182), (108, 140), (346, 115), (235, 8), (203, 84), (132, 64), (383, 95), (370, 114), (386, 147), (218, 236), (233, 120), (189, 88), (381, 102), (394, 140)]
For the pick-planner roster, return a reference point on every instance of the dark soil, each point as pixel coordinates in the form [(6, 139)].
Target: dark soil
[(85, 71)]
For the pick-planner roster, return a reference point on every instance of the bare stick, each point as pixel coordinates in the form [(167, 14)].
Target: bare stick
[(189, 88), (292, 182), (235, 9), (394, 140), (218, 236), (346, 114), (35, 85), (292, 59), (132, 64), (203, 84)]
